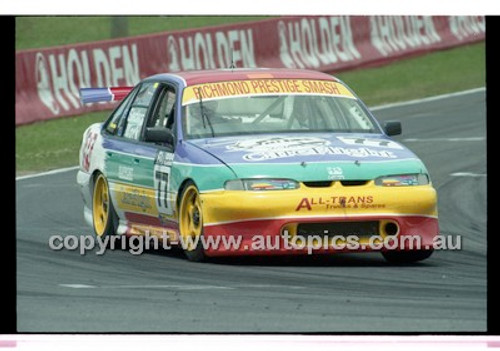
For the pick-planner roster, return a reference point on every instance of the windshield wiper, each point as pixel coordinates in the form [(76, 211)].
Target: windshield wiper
[(204, 116)]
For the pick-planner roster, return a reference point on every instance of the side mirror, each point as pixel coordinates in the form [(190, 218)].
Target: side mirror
[(159, 135), (392, 128)]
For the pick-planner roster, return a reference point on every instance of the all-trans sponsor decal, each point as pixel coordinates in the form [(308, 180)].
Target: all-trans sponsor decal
[(263, 87), (278, 147), (336, 202)]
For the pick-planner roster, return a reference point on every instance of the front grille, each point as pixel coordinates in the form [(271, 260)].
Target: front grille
[(318, 184), (362, 229), (353, 182)]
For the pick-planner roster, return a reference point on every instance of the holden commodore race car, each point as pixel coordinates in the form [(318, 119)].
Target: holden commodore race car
[(288, 157)]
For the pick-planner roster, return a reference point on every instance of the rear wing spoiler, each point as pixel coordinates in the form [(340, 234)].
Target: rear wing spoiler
[(90, 95)]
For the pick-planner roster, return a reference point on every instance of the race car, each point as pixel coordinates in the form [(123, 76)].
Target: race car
[(286, 161)]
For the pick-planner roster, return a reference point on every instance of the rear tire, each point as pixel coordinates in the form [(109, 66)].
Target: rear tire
[(191, 223), (104, 217), (407, 256)]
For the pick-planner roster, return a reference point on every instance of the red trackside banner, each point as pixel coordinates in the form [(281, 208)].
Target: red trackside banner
[(48, 80)]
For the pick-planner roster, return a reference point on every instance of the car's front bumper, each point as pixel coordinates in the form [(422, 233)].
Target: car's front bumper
[(254, 215)]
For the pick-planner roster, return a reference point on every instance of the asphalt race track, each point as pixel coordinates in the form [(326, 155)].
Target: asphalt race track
[(62, 291)]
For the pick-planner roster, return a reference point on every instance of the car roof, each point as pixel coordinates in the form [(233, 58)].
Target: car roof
[(221, 75)]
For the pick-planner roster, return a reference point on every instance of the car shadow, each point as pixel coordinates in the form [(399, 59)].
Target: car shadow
[(336, 260), (321, 260)]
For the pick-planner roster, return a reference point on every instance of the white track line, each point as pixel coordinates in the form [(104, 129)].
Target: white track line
[(428, 99), (160, 286), (78, 286), (54, 171), (467, 174), (444, 139), (181, 286), (375, 108)]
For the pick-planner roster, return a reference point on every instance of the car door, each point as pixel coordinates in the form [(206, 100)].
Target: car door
[(163, 116), (130, 160), (140, 170)]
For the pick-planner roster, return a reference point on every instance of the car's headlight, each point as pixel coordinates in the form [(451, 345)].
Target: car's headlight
[(403, 180), (261, 184)]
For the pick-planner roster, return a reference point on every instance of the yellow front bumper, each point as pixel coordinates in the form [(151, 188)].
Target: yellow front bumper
[(336, 201)]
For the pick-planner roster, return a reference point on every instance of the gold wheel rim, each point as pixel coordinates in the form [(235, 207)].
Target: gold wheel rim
[(191, 220), (100, 205)]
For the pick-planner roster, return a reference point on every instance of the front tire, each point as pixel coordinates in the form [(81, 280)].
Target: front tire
[(191, 223), (407, 256), (104, 217)]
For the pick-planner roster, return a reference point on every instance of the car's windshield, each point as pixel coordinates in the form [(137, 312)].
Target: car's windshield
[(261, 112)]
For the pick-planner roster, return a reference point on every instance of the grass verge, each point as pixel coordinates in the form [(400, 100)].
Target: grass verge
[(436, 73), (38, 32), (53, 144)]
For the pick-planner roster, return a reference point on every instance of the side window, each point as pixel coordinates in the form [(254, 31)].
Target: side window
[(163, 115), (138, 110), (118, 113)]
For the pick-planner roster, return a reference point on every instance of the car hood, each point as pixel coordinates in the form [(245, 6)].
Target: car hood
[(313, 156)]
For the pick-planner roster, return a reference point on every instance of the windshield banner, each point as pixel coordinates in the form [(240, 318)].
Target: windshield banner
[(263, 87)]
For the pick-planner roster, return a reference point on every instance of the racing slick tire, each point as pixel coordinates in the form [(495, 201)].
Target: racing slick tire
[(406, 256), (104, 217), (191, 223)]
